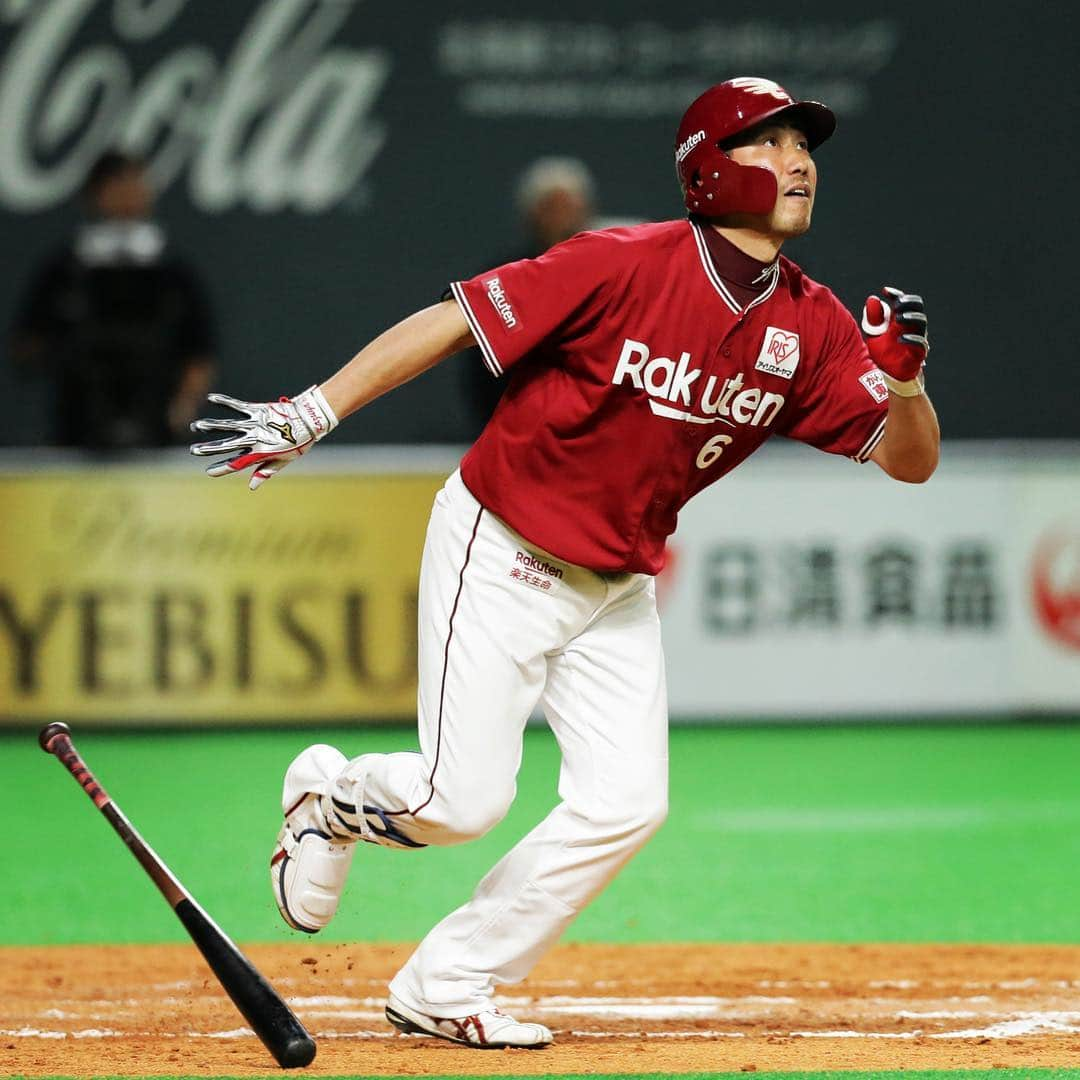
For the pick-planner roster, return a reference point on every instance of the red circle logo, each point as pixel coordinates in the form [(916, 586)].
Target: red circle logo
[(1055, 587)]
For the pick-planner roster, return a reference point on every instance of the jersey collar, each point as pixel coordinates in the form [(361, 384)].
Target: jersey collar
[(741, 265)]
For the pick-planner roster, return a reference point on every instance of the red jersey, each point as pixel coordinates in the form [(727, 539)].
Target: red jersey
[(637, 379)]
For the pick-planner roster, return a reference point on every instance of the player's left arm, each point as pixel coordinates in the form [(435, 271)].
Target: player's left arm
[(895, 327), (909, 448)]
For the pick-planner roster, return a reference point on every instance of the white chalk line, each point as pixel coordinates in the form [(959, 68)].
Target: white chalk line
[(344, 1008), (75, 1008), (742, 1010), (655, 1012), (1025, 1024)]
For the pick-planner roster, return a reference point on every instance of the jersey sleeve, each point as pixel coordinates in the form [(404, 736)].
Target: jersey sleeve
[(843, 406), (518, 306)]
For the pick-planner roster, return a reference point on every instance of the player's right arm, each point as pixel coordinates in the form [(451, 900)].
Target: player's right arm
[(268, 435), (507, 312), (399, 354)]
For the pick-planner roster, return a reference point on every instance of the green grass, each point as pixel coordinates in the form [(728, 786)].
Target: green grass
[(789, 834)]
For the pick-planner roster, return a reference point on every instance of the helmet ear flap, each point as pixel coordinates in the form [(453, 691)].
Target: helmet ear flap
[(715, 185)]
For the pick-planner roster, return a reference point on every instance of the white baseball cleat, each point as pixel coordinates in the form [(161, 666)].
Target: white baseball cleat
[(310, 863), (488, 1030)]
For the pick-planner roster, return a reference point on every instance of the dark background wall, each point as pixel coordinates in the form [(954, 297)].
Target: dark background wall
[(337, 183)]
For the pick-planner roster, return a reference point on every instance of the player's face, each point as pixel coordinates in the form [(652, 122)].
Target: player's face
[(783, 150)]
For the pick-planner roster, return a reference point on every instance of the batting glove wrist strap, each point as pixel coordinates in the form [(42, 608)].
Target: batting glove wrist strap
[(894, 323), (267, 435), (908, 388), (315, 412)]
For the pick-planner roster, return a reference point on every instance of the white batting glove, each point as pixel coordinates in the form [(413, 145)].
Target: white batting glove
[(270, 436)]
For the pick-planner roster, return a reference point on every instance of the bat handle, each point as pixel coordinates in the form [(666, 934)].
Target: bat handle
[(56, 739)]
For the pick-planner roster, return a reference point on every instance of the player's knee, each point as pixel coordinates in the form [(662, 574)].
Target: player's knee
[(467, 815), (648, 814), (644, 806), (631, 820), (656, 812), (479, 820)]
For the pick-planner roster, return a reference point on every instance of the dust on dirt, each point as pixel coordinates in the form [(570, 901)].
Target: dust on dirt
[(157, 1010)]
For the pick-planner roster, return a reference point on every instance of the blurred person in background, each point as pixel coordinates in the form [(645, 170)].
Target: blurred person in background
[(555, 200), (118, 323)]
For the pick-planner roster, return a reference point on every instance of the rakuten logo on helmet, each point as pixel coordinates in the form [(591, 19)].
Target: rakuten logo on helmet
[(684, 148)]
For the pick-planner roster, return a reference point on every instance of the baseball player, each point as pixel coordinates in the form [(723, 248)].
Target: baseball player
[(643, 364)]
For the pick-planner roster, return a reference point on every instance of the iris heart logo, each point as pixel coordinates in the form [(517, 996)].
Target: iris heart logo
[(783, 345), (779, 353)]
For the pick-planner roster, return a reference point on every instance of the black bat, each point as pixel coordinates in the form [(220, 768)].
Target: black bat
[(270, 1018)]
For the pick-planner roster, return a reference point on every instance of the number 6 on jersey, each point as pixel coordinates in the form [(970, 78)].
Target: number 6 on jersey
[(712, 450)]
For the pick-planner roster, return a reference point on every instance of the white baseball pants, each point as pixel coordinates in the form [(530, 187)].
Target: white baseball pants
[(504, 626)]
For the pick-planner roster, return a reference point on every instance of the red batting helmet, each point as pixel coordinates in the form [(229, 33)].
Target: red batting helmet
[(712, 183)]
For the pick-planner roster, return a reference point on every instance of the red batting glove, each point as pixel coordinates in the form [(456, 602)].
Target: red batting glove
[(895, 327)]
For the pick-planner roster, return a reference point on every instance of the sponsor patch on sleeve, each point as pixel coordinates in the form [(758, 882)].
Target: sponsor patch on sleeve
[(779, 353), (497, 295), (874, 382)]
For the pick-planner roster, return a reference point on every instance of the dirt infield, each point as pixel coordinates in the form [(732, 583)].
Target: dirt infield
[(141, 1010)]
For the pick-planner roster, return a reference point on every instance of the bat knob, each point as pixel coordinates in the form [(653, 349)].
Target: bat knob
[(49, 733)]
